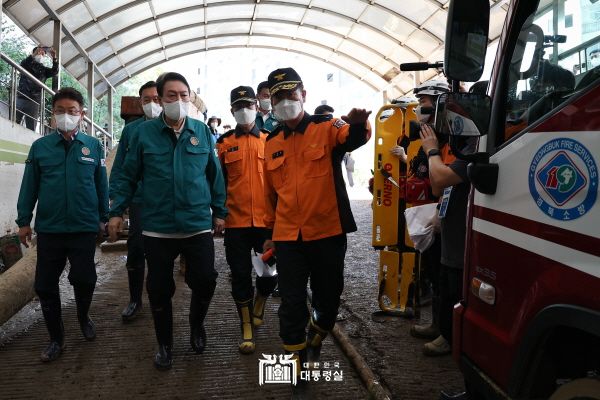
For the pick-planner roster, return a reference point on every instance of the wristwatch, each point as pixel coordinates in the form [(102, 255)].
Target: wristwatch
[(433, 152)]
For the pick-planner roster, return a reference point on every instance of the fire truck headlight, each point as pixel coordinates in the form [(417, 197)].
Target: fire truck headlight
[(484, 291)]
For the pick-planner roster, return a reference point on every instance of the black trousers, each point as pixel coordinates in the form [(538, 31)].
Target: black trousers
[(29, 110), (136, 263), (323, 262), (239, 243), (451, 285), (431, 265), (53, 250), (200, 274)]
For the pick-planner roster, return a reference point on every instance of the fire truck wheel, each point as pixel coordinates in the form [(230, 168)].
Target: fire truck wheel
[(580, 389)]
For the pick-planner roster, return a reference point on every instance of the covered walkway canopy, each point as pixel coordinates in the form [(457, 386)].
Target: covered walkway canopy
[(121, 38)]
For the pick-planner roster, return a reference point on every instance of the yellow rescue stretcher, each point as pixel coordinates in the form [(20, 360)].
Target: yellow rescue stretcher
[(397, 258)]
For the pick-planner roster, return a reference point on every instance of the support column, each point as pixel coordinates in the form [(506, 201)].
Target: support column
[(110, 118), (57, 45), (90, 90)]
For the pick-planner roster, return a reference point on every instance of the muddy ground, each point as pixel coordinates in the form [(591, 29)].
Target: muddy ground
[(119, 364)]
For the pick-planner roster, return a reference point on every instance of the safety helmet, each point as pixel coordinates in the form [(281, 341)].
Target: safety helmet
[(405, 101), (433, 87)]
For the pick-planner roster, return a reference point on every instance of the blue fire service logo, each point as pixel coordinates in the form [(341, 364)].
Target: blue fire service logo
[(458, 125), (563, 179)]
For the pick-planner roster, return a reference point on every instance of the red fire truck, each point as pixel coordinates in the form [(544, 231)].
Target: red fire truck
[(528, 326)]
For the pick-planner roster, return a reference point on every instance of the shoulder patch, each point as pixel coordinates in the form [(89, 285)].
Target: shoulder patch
[(274, 133), (339, 123)]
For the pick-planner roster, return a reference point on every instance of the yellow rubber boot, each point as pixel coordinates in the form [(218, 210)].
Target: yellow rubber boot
[(314, 340), (247, 345), (258, 313)]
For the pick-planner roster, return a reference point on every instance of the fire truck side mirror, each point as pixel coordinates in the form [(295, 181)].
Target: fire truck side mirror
[(466, 39), (462, 114)]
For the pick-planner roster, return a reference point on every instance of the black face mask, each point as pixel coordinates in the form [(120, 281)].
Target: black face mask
[(427, 110)]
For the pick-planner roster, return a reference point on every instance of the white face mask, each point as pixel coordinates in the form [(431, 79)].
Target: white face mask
[(152, 110), (39, 58), (245, 116), (176, 110), (66, 122), (213, 125), (265, 104), (287, 110)]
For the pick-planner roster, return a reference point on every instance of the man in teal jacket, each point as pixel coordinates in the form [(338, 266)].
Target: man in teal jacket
[(65, 174), (136, 264), (183, 199)]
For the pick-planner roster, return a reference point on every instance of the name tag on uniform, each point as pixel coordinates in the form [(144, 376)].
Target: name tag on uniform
[(232, 149), (277, 154), (444, 202), (88, 159)]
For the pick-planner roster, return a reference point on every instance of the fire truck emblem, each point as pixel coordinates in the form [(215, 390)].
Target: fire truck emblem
[(563, 179)]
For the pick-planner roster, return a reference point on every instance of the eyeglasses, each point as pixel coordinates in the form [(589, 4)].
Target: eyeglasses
[(70, 111)]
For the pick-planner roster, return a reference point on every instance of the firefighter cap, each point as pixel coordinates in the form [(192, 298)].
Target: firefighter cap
[(242, 93), (283, 79)]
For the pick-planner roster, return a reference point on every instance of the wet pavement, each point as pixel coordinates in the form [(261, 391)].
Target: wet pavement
[(119, 363)]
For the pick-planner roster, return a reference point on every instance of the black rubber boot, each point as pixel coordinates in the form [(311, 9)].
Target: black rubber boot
[(244, 309), (135, 276), (300, 388), (53, 317), (83, 299), (198, 311), (163, 327)]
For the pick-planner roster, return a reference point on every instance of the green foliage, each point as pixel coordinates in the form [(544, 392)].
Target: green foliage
[(17, 46), (14, 45)]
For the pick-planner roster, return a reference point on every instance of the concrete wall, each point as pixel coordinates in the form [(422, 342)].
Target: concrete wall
[(15, 141)]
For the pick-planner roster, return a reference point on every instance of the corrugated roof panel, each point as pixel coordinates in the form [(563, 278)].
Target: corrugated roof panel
[(330, 22), (228, 11), (350, 8), (276, 11), (416, 11), (373, 39), (141, 50), (178, 20), (100, 8), (134, 35), (74, 17), (319, 36), (388, 23), (388, 27), (126, 18), (437, 23), (100, 52), (222, 28), (422, 42), (184, 34), (89, 36)]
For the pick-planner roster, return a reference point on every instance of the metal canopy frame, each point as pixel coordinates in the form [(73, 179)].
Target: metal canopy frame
[(391, 25)]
